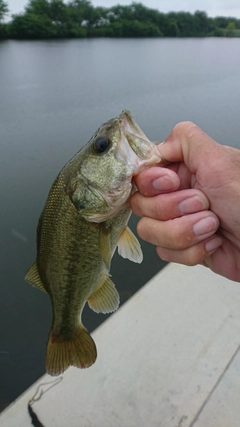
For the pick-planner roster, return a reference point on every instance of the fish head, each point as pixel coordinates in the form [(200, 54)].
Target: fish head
[(117, 152)]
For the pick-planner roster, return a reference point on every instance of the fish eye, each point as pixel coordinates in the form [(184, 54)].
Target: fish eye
[(101, 145)]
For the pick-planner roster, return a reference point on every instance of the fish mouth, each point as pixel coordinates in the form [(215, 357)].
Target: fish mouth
[(132, 131), (146, 152)]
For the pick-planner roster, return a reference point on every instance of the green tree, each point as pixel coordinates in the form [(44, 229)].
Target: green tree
[(231, 29), (58, 11), (231, 26), (121, 13), (201, 23), (55, 11), (4, 28), (221, 21), (135, 28), (76, 31), (185, 23), (38, 7), (3, 9), (161, 20), (79, 18), (30, 26), (139, 11), (115, 29), (171, 28), (82, 12)]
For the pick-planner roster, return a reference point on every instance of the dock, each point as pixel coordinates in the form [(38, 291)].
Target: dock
[(169, 357)]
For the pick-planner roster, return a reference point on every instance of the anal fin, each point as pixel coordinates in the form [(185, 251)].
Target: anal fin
[(129, 246), (32, 277), (105, 299)]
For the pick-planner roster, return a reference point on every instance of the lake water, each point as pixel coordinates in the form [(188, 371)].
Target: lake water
[(53, 96)]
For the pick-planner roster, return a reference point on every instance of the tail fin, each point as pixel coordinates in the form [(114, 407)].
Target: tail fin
[(79, 351)]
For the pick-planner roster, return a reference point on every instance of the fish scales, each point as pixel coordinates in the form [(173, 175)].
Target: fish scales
[(83, 221)]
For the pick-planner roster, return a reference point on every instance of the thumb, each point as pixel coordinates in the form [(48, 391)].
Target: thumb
[(189, 144)]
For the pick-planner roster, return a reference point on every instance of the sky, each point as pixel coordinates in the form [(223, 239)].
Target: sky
[(212, 7)]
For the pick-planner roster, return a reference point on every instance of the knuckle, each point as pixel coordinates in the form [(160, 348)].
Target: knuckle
[(180, 244), (163, 254), (134, 202), (191, 260), (181, 238), (195, 255), (189, 257), (141, 228), (186, 127), (158, 208)]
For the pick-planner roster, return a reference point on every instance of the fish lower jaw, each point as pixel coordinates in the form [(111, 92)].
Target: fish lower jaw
[(153, 160)]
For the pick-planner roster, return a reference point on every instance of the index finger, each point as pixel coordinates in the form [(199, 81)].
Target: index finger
[(157, 180)]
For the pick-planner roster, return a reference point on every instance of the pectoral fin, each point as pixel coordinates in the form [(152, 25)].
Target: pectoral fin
[(105, 245), (32, 277), (129, 246), (105, 299)]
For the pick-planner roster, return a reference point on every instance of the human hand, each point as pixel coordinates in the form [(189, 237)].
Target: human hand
[(191, 208)]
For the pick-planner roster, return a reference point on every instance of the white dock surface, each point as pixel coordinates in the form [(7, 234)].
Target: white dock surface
[(169, 357)]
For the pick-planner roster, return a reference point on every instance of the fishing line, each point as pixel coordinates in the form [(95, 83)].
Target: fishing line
[(34, 418)]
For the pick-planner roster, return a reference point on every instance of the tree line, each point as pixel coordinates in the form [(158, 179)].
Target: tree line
[(45, 19)]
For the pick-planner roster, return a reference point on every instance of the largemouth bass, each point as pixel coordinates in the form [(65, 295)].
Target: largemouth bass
[(84, 219)]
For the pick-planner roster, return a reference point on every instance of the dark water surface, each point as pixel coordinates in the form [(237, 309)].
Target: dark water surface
[(53, 96)]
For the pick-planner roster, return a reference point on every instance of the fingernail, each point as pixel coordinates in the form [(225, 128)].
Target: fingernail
[(190, 205), (205, 226), (164, 183), (213, 244)]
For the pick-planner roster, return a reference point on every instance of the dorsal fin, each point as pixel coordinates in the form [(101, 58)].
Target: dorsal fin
[(32, 277), (129, 246)]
